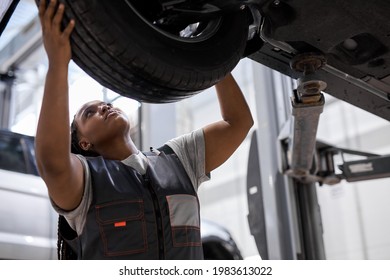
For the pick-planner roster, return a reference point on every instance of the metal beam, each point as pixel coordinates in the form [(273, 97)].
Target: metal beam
[(6, 10), (21, 46), (6, 82)]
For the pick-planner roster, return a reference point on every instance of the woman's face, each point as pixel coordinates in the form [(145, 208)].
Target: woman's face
[(98, 123)]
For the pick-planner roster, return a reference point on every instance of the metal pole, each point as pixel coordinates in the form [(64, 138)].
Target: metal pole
[(6, 82), (310, 222)]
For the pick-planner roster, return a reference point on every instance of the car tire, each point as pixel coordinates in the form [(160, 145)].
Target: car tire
[(123, 52)]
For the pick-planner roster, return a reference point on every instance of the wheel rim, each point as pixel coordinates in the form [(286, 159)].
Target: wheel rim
[(190, 31)]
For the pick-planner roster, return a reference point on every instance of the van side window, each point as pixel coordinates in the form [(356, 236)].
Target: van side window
[(11, 154)]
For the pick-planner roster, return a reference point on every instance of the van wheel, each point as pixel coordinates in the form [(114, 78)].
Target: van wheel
[(126, 47)]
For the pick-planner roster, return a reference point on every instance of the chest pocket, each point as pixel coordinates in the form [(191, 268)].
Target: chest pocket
[(184, 219), (122, 227)]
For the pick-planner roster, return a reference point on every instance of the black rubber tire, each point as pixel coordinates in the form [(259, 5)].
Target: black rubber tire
[(125, 54)]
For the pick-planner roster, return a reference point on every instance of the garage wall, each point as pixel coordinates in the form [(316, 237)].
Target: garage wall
[(355, 215)]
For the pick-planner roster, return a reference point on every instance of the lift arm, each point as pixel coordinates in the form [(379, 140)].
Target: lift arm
[(324, 169)]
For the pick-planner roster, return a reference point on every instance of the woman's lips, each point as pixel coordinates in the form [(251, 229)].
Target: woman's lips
[(111, 113)]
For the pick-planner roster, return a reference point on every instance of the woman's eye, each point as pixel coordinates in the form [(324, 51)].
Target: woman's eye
[(89, 113)]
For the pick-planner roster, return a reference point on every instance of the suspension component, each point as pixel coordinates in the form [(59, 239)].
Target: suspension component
[(307, 105), (309, 86)]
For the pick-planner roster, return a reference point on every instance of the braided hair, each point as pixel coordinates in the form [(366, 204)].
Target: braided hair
[(64, 250), (74, 145)]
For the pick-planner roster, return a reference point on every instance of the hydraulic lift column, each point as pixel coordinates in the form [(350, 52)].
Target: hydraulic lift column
[(307, 105)]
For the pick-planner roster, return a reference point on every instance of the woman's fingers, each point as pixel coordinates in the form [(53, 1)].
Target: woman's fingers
[(42, 9), (49, 13), (58, 16), (68, 30), (52, 17)]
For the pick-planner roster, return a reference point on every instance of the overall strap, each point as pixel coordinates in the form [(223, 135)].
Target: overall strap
[(165, 149)]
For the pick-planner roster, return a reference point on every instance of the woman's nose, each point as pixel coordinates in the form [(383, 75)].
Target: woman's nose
[(103, 108)]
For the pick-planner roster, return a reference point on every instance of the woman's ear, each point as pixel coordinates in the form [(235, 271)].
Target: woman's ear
[(85, 145)]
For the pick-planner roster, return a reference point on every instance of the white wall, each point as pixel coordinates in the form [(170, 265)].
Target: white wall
[(355, 215)]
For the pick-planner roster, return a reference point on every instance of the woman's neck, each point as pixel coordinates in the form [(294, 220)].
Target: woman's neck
[(118, 150)]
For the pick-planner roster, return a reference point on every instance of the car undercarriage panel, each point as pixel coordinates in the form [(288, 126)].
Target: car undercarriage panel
[(354, 36)]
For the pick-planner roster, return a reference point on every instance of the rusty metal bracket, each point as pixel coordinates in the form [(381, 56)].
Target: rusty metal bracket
[(307, 105), (309, 86)]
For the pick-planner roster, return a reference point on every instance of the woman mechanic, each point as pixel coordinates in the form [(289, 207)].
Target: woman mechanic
[(121, 203)]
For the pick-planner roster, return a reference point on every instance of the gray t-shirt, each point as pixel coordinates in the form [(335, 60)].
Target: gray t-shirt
[(190, 149)]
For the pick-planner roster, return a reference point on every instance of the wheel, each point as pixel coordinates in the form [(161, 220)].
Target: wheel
[(125, 46)]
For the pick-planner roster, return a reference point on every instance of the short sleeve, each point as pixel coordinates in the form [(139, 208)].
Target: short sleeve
[(77, 217), (190, 149)]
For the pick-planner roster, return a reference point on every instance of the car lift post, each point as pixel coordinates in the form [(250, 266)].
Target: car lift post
[(312, 162), (6, 83), (307, 105)]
